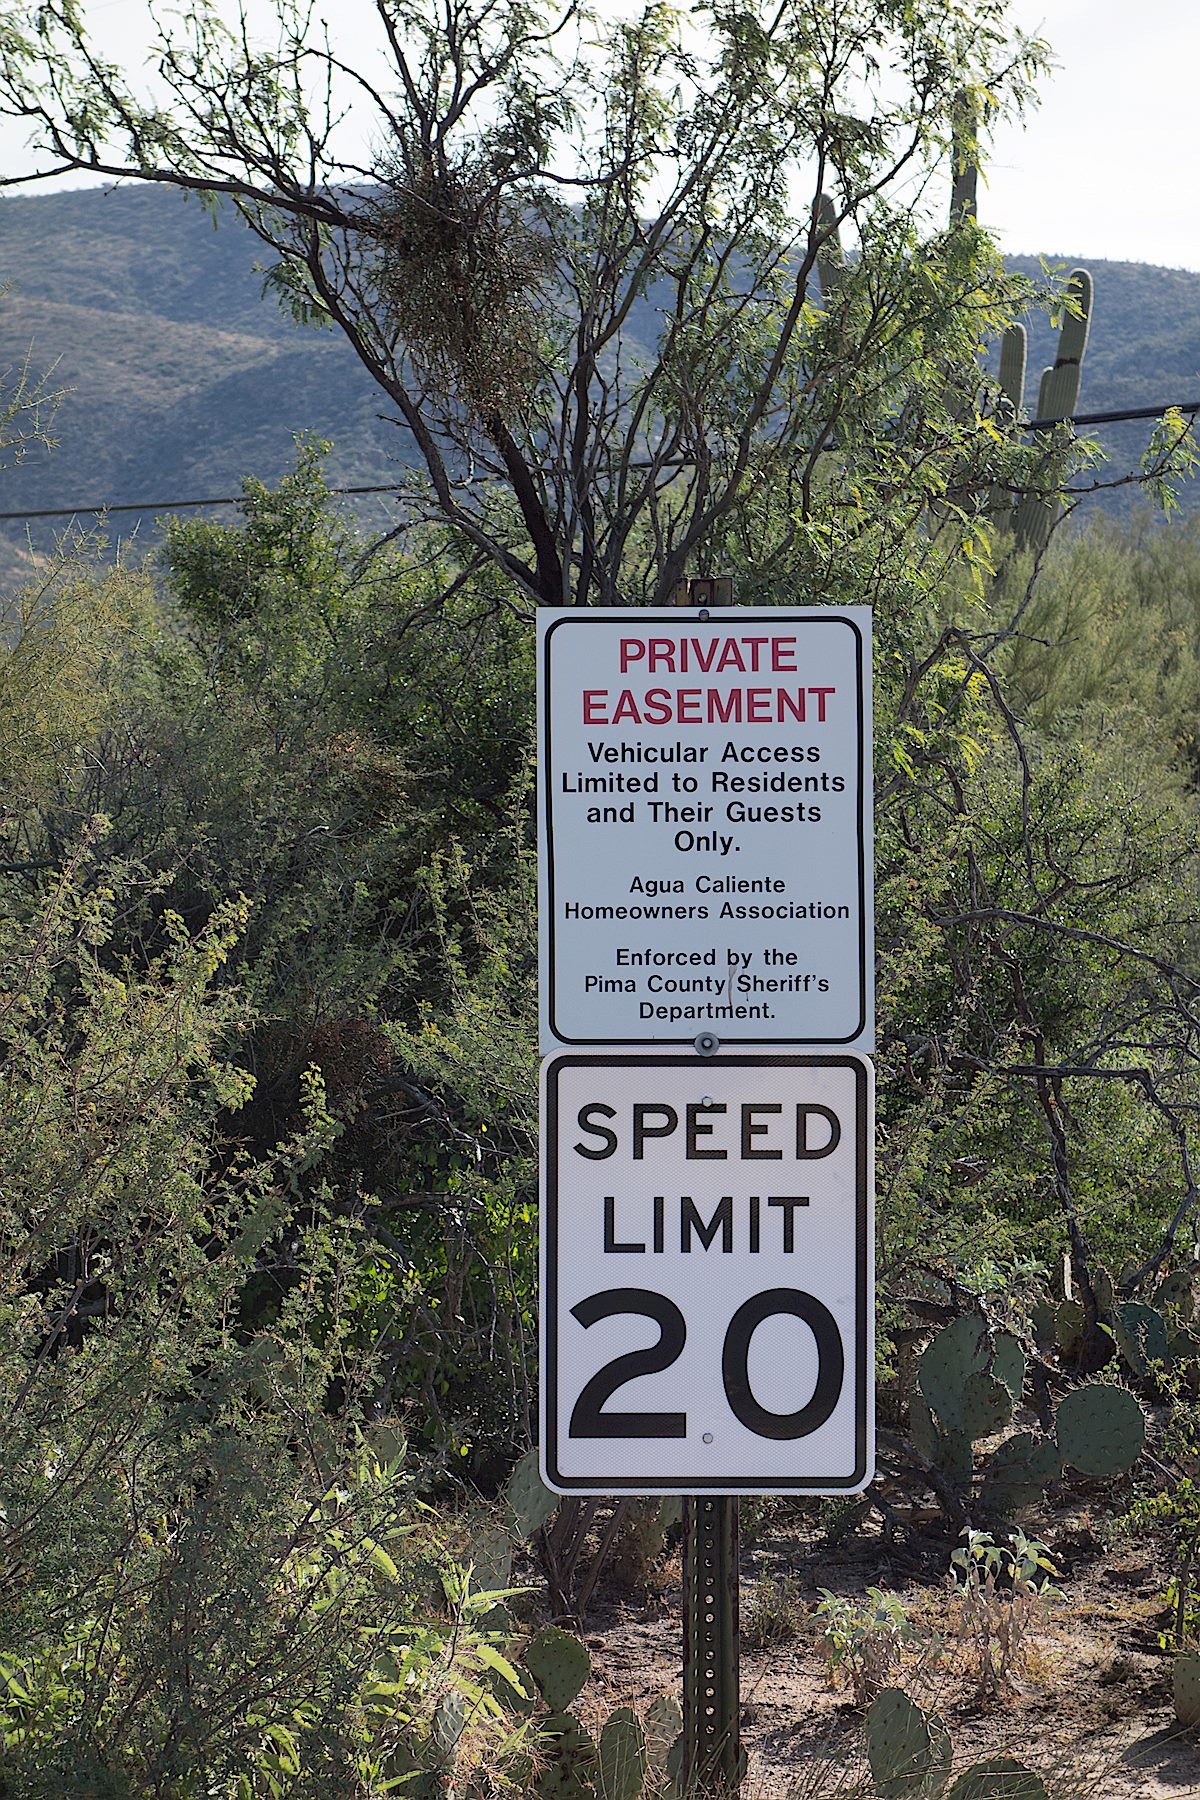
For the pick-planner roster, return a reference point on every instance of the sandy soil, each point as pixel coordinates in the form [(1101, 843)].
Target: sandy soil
[(1093, 1713)]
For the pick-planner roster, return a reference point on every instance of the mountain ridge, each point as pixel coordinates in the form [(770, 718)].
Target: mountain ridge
[(184, 378)]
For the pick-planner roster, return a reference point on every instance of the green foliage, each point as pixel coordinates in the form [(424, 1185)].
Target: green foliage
[(205, 1571), (999, 1593), (775, 1613), (863, 1639)]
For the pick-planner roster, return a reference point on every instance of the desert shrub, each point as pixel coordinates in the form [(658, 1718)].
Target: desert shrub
[(209, 1557)]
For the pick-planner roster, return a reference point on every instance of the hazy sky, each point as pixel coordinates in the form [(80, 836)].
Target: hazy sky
[(1106, 167), (1109, 164)]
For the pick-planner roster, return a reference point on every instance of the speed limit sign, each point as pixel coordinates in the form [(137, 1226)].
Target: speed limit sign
[(707, 1263)]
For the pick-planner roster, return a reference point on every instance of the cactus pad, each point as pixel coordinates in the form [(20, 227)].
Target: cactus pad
[(1185, 1683), (998, 1778), (622, 1757), (958, 1351), (1100, 1429), (1070, 1320), (985, 1406), (956, 1455), (448, 1723), (530, 1501), (908, 1750), (1141, 1333), (490, 1558), (1018, 1472), (559, 1665), (921, 1427), (570, 1760), (1175, 1293), (1044, 1319), (1008, 1364)]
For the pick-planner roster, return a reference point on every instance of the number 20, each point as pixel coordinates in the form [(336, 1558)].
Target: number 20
[(589, 1420)]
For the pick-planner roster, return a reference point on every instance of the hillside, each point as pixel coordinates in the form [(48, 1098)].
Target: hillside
[(183, 378)]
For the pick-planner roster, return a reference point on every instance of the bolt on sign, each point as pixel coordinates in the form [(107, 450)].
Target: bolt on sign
[(707, 1273), (705, 826)]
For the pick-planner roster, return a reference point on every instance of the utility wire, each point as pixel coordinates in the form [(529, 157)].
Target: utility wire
[(1191, 407)]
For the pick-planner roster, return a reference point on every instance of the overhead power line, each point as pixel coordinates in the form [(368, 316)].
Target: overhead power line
[(139, 506), (1191, 407)]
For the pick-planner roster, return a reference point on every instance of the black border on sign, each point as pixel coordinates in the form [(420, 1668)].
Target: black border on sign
[(582, 617), (863, 1376)]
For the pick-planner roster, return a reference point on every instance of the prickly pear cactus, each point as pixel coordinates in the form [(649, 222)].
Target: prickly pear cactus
[(908, 1750), (621, 1757), (1044, 1320), (530, 1502), (947, 1362), (985, 1406), (1176, 1294), (559, 1665), (663, 1725), (1008, 1364), (998, 1778), (1185, 1683), (570, 1760), (448, 1723), (1141, 1333), (1018, 1473), (1100, 1429), (1070, 1321), (490, 1557)]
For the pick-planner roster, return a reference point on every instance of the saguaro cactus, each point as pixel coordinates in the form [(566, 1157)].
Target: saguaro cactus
[(1058, 396)]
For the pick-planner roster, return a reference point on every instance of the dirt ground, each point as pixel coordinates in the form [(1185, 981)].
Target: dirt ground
[(1093, 1711)]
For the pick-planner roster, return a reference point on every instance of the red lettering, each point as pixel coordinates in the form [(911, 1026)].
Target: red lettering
[(721, 712), (661, 650), (626, 708), (781, 649), (594, 701), (758, 706), (821, 693), (632, 650), (657, 706)]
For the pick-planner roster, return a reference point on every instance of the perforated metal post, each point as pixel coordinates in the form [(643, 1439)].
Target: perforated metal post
[(712, 1749), (711, 1701)]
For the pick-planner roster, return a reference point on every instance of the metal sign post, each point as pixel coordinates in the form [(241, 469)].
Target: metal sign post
[(712, 1741), (712, 1631)]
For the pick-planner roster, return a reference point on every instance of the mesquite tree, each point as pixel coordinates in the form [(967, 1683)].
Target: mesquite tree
[(596, 268)]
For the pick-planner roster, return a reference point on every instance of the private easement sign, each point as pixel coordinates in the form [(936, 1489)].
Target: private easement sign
[(705, 829), (707, 1299)]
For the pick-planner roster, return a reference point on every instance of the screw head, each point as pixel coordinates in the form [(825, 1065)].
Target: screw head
[(707, 1044)]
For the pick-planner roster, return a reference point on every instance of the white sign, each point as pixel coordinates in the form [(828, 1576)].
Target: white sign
[(705, 821), (707, 1273)]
